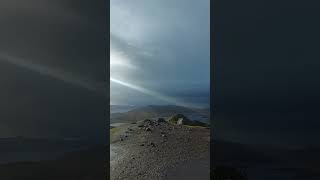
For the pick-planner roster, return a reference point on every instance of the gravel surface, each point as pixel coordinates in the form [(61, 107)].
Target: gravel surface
[(159, 150)]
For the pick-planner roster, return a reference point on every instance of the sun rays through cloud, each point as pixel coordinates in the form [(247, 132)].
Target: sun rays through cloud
[(152, 93), (50, 72), (159, 58), (121, 70), (118, 59)]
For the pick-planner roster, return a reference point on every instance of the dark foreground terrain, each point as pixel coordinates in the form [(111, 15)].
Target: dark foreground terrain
[(85, 164), (266, 162), (159, 149)]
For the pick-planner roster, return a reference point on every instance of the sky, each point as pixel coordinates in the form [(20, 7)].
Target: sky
[(160, 52), (53, 68), (267, 72)]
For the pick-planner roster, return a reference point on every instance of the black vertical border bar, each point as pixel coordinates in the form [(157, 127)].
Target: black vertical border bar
[(213, 22), (107, 81)]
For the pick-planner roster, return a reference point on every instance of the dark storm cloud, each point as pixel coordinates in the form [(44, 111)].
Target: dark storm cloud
[(51, 50), (168, 43), (267, 69)]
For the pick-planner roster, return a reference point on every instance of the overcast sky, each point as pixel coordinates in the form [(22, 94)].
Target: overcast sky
[(160, 52)]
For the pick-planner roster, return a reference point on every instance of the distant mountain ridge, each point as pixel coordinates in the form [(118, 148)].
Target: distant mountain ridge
[(121, 108), (150, 111)]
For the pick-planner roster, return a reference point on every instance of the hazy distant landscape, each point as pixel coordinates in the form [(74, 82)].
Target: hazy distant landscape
[(121, 114)]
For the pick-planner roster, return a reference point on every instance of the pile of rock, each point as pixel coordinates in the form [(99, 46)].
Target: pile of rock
[(180, 119), (161, 120), (148, 124)]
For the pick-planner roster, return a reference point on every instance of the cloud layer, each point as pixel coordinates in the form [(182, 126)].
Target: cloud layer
[(168, 43)]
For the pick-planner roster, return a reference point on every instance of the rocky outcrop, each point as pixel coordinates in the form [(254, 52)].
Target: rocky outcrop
[(180, 119)]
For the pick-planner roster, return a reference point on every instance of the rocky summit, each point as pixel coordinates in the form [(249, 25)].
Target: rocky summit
[(159, 148)]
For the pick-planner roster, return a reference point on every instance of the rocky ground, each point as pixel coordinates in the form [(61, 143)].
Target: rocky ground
[(158, 149)]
